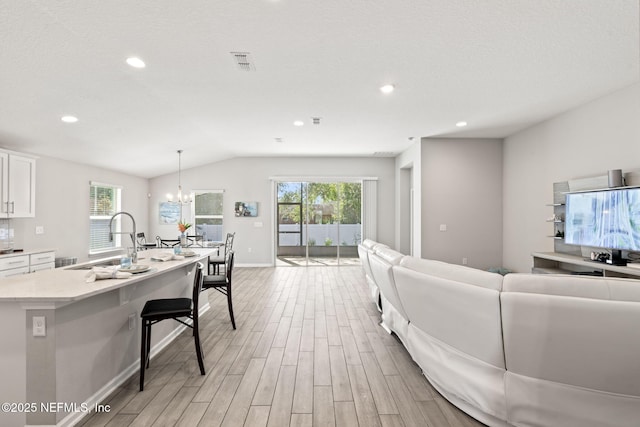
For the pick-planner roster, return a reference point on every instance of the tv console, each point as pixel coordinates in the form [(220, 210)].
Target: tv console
[(559, 263)]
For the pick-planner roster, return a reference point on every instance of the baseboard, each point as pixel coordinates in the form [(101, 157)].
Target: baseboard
[(256, 265), (75, 417)]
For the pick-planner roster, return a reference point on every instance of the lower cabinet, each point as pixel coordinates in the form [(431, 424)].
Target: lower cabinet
[(14, 265), (42, 261)]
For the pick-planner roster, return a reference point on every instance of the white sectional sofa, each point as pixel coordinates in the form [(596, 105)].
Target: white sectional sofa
[(394, 317), (364, 249), (572, 347), (519, 350), (455, 333)]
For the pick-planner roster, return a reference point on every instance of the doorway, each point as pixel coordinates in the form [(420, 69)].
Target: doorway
[(318, 223)]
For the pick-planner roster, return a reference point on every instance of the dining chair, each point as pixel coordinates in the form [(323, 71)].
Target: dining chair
[(222, 284), (218, 260), (157, 310), (166, 243), (195, 240), (142, 242)]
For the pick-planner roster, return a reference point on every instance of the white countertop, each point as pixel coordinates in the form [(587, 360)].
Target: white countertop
[(66, 284)]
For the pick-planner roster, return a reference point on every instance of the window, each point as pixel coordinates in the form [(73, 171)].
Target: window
[(104, 201), (208, 214)]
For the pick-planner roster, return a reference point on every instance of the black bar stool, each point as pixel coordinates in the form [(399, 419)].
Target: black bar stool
[(222, 283), (157, 310)]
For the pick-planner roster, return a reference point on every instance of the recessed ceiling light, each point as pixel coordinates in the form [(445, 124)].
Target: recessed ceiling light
[(69, 119), (387, 88), (136, 62), (298, 123), (461, 124)]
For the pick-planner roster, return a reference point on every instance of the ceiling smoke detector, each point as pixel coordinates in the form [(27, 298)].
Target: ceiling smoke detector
[(243, 61)]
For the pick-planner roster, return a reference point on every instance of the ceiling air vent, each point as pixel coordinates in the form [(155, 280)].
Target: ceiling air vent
[(384, 154), (243, 61)]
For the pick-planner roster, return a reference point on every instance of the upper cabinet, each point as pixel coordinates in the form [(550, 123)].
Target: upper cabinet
[(17, 185)]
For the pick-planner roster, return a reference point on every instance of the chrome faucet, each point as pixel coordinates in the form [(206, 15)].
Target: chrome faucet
[(134, 257)]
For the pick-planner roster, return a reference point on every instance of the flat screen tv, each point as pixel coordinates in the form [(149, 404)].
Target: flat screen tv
[(607, 219)]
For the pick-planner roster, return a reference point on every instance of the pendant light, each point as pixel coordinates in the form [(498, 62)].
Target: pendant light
[(181, 199)]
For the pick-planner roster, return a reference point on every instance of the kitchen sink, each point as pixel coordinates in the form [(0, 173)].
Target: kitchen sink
[(102, 263)]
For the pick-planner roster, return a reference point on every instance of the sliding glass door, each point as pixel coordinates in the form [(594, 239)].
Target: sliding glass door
[(319, 223)]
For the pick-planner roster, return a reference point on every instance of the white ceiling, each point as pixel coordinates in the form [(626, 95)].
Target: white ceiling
[(500, 65)]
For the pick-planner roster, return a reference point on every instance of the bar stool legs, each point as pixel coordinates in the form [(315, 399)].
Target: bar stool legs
[(157, 310)]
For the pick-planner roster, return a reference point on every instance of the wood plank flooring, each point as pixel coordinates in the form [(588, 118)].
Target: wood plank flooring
[(308, 351)]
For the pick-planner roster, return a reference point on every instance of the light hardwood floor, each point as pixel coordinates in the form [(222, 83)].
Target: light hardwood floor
[(308, 351)]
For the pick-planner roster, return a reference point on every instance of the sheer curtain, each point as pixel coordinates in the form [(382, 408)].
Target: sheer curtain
[(369, 209)]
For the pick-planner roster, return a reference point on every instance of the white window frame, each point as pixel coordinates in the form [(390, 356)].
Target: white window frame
[(194, 217), (117, 240)]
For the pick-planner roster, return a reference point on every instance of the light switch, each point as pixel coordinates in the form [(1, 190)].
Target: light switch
[(39, 326)]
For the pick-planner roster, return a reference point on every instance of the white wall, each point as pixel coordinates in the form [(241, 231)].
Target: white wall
[(587, 141), (248, 179), (62, 206), (462, 189)]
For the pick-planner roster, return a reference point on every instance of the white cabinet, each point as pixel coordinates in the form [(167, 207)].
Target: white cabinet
[(14, 265), (42, 261), (23, 263), (17, 185)]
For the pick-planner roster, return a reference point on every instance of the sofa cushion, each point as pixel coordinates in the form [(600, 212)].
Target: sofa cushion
[(381, 262), (389, 255), (457, 273), (579, 331), (368, 243), (616, 289), (462, 315)]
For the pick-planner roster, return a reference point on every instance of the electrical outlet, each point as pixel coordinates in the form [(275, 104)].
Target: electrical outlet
[(39, 229), (443, 227), (132, 321), (39, 326), (464, 261)]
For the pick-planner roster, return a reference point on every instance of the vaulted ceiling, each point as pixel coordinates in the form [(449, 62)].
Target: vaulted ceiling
[(499, 65)]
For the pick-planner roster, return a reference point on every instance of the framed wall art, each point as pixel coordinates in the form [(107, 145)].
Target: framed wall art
[(169, 213), (246, 209)]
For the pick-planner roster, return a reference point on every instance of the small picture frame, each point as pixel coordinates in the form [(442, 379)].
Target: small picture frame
[(246, 209)]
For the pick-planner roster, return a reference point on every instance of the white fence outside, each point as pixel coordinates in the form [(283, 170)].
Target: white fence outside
[(349, 234), (322, 234)]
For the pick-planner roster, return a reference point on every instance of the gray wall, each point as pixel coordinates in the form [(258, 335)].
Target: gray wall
[(587, 141), (408, 195), (248, 179), (62, 206), (462, 189)]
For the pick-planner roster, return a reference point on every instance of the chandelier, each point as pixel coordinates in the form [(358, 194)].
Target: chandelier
[(181, 199)]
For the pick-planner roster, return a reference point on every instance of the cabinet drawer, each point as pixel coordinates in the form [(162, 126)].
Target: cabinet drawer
[(14, 262), (45, 266), (14, 271), (43, 258)]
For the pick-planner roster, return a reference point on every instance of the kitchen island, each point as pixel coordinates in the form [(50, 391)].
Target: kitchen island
[(91, 341)]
